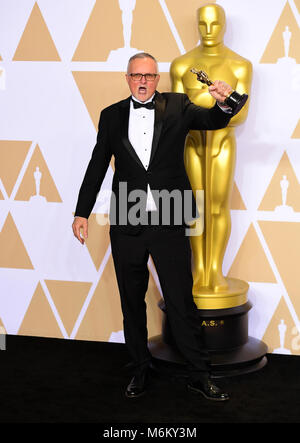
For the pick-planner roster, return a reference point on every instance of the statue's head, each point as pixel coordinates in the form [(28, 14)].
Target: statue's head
[(211, 24)]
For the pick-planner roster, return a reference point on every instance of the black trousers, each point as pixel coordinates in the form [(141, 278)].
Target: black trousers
[(170, 250)]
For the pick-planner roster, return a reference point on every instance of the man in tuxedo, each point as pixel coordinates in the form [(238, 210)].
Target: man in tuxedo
[(146, 134)]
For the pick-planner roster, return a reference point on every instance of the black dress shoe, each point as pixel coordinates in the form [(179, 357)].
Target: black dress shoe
[(137, 386), (208, 389)]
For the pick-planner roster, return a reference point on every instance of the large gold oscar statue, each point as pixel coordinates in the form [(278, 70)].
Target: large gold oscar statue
[(210, 157), (210, 162)]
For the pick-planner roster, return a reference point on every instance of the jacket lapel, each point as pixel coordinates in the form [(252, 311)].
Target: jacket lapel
[(125, 107), (160, 105)]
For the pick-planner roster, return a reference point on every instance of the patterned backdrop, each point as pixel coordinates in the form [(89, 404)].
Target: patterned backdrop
[(61, 62)]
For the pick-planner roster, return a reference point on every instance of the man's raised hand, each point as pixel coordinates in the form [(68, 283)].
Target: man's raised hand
[(220, 90)]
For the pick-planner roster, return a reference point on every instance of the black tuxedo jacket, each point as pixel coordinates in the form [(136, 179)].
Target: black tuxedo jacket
[(175, 115)]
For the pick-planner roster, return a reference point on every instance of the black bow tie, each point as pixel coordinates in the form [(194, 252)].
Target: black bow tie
[(149, 105)]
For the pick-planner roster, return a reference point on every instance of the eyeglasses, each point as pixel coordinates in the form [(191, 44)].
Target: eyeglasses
[(136, 77)]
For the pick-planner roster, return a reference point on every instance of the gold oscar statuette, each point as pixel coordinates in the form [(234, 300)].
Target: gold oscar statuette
[(235, 100), (209, 158)]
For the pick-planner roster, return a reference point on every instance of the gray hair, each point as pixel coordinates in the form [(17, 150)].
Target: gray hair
[(141, 55)]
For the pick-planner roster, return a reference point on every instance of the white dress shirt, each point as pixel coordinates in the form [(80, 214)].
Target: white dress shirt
[(140, 135)]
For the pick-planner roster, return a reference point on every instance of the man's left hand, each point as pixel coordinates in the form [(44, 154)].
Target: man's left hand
[(220, 91)]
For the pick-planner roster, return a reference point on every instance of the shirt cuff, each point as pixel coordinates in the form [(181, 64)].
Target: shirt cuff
[(225, 108)]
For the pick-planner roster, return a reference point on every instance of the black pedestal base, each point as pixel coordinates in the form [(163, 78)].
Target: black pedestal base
[(247, 358), (225, 335)]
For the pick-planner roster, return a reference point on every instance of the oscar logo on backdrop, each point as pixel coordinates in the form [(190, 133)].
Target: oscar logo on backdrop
[(37, 178), (122, 55), (286, 36), (282, 331), (210, 163), (284, 209)]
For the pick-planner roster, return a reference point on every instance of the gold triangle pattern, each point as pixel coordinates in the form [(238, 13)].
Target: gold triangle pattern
[(13, 253), (251, 263), (283, 239), (2, 325), (185, 20), (297, 3), (103, 315), (102, 33), (36, 43), (95, 93), (12, 154), (236, 199), (275, 48), (296, 133), (142, 32), (39, 319), (37, 180), (283, 190), (68, 297)]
